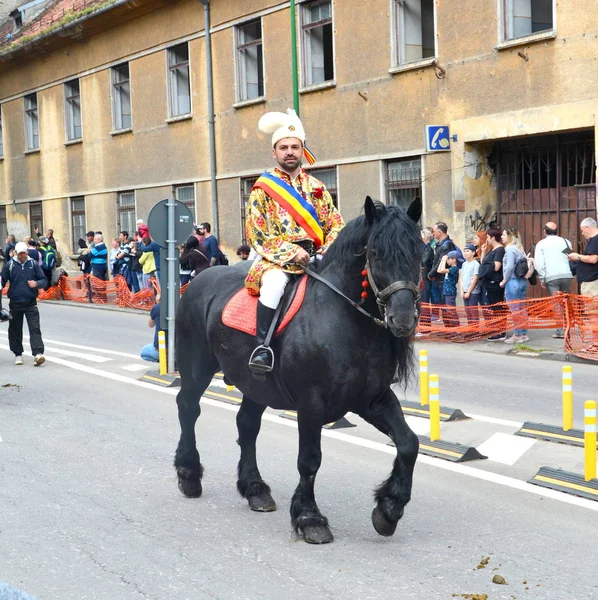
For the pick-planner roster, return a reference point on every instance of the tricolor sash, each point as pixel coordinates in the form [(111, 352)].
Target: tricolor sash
[(294, 203)]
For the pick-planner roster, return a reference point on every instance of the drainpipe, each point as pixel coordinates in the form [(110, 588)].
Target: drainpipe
[(211, 117), (294, 59)]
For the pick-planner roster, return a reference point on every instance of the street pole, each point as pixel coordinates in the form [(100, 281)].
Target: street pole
[(294, 59), (171, 259), (211, 117)]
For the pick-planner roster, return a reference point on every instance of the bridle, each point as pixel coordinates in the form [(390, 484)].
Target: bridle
[(381, 296), (387, 292)]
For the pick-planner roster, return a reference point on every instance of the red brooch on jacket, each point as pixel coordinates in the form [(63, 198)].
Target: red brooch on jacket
[(318, 193)]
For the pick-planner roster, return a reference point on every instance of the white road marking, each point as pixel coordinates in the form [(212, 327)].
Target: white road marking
[(218, 383), (495, 478), (78, 347), (90, 357), (134, 368), (495, 421), (505, 448), (418, 426)]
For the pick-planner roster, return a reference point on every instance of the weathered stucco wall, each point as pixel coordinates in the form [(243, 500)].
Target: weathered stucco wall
[(369, 115)]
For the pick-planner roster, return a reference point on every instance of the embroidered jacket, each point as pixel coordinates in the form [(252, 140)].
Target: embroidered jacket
[(273, 232)]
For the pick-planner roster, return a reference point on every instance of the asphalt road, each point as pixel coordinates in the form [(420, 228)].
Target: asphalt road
[(89, 507)]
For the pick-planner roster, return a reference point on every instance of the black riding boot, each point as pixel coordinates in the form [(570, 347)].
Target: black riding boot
[(262, 358)]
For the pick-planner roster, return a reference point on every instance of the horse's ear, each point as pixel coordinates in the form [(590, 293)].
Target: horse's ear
[(415, 209), (370, 210)]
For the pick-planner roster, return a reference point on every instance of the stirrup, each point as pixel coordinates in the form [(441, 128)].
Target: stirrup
[(257, 368)]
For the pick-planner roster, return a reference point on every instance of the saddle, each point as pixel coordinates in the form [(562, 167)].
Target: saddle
[(240, 311)]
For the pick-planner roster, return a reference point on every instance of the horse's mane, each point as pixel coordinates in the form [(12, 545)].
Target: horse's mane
[(350, 242), (393, 234)]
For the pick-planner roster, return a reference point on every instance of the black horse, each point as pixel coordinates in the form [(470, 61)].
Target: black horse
[(330, 359)]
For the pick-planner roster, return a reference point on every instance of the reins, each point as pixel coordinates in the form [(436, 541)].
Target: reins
[(351, 302)]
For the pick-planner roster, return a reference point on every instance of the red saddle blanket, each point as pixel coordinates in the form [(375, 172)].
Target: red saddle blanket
[(240, 311)]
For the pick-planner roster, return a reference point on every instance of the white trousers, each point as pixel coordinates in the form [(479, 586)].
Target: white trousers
[(274, 282)]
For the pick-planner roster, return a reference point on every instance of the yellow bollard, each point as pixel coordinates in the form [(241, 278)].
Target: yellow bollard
[(567, 398), (590, 439), (434, 408), (162, 352), (424, 389)]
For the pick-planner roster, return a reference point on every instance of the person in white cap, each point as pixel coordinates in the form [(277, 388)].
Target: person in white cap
[(290, 217), (26, 278)]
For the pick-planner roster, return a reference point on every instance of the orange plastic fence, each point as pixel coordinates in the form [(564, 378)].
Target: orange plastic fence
[(577, 314), (89, 289)]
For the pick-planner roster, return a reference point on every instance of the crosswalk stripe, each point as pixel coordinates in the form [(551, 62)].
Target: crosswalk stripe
[(4, 337), (90, 357), (134, 368)]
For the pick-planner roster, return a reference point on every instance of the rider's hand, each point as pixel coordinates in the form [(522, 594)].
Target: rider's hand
[(302, 257)]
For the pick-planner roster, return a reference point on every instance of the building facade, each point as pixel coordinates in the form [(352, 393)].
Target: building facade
[(104, 109)]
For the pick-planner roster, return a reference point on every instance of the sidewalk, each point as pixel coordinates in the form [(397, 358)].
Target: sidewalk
[(541, 345)]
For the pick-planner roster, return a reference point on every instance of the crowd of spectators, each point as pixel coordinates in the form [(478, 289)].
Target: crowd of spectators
[(494, 272)]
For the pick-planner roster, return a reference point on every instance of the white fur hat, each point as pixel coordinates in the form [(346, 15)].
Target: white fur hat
[(282, 125)]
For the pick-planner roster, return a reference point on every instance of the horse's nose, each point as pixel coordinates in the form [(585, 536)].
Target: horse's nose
[(402, 325)]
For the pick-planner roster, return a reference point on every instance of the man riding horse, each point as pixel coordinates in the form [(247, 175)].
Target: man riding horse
[(290, 218)]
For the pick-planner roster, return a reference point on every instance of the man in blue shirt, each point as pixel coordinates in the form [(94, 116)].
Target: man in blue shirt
[(211, 244), (150, 352), (99, 257)]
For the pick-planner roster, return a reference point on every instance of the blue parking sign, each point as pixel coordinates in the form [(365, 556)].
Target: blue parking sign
[(438, 138)]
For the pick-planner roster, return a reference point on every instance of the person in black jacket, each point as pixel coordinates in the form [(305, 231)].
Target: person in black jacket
[(26, 278), (10, 245), (444, 245), (426, 266)]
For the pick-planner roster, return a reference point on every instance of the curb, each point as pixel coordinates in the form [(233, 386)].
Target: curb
[(564, 357), (90, 305)]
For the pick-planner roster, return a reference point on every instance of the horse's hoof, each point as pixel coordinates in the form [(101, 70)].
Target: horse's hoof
[(317, 534), (381, 524), (262, 503), (191, 488)]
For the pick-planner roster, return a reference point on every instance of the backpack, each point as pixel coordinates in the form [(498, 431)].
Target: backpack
[(222, 258), (525, 267), (49, 259), (461, 258)]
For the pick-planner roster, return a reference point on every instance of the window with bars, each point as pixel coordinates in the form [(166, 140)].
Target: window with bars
[(317, 34), (126, 213), (78, 225), (250, 61), (414, 30), (3, 226), (246, 185), (72, 99), (526, 17), (1, 138), (36, 217), (186, 195), (328, 177), (403, 181), (179, 86), (121, 98), (31, 122)]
